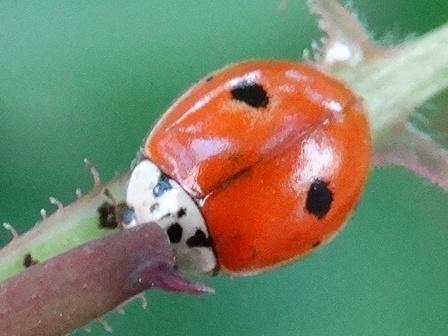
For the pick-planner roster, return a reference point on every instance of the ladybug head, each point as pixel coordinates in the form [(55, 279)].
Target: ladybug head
[(157, 198)]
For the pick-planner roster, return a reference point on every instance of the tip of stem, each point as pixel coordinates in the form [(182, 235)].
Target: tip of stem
[(170, 280), (162, 275)]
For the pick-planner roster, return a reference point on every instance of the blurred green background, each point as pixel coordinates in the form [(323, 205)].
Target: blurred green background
[(88, 78)]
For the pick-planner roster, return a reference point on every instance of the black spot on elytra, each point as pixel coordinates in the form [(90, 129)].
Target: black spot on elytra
[(182, 212), (174, 232), (316, 244), (209, 78), (162, 186), (28, 260), (252, 94), (319, 198), (199, 240)]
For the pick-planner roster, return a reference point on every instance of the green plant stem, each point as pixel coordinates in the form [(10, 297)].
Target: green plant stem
[(71, 226), (391, 88)]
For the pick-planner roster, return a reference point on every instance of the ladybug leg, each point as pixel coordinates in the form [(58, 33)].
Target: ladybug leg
[(115, 214)]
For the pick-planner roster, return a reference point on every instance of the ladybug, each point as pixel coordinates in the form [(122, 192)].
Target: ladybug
[(253, 167)]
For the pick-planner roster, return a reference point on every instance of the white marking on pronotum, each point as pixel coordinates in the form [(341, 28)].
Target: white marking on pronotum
[(157, 198), (11, 229), (56, 202), (94, 172)]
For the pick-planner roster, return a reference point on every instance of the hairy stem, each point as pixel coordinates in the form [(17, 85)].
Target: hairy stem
[(61, 294), (69, 227), (392, 87)]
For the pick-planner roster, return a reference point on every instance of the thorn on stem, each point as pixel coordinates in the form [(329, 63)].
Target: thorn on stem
[(143, 300), (120, 310), (105, 325), (95, 175), (78, 193), (306, 56), (43, 213), (347, 42), (11, 229), (56, 202)]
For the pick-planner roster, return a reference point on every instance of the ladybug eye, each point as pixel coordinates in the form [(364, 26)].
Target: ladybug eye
[(252, 94), (127, 215), (162, 186), (319, 198)]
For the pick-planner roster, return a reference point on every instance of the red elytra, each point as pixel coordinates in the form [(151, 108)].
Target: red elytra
[(277, 153)]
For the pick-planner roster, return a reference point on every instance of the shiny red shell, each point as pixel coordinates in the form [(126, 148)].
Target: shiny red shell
[(277, 153)]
